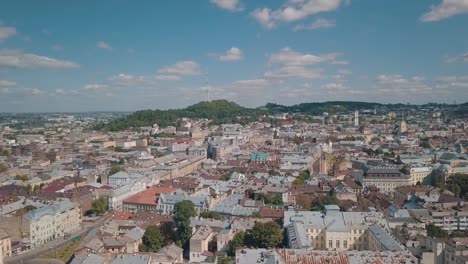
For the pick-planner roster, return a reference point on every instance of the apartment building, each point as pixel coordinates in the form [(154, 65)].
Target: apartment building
[(60, 218), (331, 230), (386, 178)]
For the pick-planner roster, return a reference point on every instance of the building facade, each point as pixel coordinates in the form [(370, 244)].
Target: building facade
[(53, 221)]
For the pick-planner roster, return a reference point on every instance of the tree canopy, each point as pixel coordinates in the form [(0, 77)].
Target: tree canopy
[(319, 204), (114, 169), (303, 176), (182, 212), (100, 205), (211, 214), (435, 231), (153, 240), (3, 167), (264, 235), (458, 184)]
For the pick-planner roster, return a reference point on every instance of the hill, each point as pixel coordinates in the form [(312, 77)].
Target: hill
[(224, 112), (219, 111), (319, 108)]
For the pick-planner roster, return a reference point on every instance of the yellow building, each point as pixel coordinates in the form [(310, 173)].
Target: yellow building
[(420, 174)]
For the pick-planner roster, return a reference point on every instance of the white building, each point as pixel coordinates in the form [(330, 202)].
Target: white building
[(122, 178), (332, 230), (53, 221)]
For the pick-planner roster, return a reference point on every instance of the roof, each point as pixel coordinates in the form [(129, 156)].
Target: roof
[(310, 256), (88, 259), (135, 234), (148, 196), (258, 155), (387, 242), (134, 259), (56, 207), (3, 234), (269, 212)]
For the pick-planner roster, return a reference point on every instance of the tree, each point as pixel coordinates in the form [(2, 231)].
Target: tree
[(303, 176), (304, 202), (225, 260), (275, 199), (236, 243), (297, 140), (114, 169), (458, 184), (211, 214), (184, 232), (183, 211), (153, 240), (168, 232), (21, 177), (264, 235), (435, 231), (319, 204), (3, 167), (100, 205)]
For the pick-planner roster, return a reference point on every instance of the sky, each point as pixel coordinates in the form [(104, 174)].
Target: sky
[(66, 56)]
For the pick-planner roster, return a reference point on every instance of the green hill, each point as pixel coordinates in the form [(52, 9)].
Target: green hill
[(219, 111), (224, 112)]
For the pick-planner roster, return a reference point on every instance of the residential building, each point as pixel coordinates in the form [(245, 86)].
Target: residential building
[(51, 222), (331, 230)]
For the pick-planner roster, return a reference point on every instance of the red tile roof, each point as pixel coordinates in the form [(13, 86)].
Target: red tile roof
[(148, 196)]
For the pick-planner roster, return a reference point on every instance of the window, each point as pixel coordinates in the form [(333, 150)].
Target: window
[(345, 244), (337, 244), (330, 243)]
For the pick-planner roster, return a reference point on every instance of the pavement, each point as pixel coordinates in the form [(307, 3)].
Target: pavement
[(28, 257)]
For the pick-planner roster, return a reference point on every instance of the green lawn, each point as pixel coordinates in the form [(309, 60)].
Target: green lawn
[(63, 253)]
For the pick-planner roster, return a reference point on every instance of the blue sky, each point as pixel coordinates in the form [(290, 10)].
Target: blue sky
[(130, 55)]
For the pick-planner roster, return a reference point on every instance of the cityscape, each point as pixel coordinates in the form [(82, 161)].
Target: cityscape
[(234, 131)]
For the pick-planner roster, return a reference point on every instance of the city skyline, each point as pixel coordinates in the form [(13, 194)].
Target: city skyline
[(86, 56)]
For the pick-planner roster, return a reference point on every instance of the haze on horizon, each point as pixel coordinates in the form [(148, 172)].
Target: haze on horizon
[(118, 55)]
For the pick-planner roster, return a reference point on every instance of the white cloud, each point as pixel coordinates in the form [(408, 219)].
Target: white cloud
[(288, 56), (335, 86), (288, 63), (397, 83), (294, 72), (264, 17), (231, 5), (4, 91), (182, 68), (252, 82), (459, 58), (345, 72), (60, 91), (95, 86), (319, 23), (104, 45), (445, 10), (18, 59), (130, 80), (7, 83), (233, 54), (293, 10), (167, 77), (33, 91), (6, 32)]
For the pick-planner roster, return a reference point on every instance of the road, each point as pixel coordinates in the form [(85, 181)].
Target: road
[(27, 256)]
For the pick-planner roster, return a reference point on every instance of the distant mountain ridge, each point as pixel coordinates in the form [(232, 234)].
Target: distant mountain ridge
[(223, 111)]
